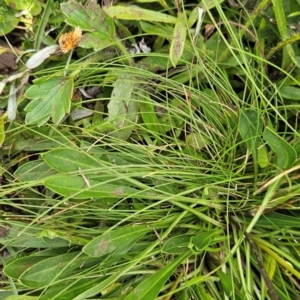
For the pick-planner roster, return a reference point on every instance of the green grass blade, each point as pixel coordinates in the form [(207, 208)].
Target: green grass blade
[(150, 287)]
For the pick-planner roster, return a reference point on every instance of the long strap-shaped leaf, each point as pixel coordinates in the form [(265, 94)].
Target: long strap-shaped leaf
[(286, 156), (150, 288)]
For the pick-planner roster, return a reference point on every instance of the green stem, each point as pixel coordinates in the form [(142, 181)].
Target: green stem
[(124, 51), (68, 62), (282, 44), (272, 189)]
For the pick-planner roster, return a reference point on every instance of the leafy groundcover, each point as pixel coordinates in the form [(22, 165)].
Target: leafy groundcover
[(149, 150)]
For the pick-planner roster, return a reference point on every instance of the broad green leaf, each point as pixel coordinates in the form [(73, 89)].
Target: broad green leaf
[(250, 127), (179, 37), (296, 146), (20, 265), (185, 76), (33, 7), (150, 287), (154, 63), (263, 158), (162, 30), (21, 297), (232, 64), (226, 282), (105, 283), (294, 14), (196, 140), (194, 17), (50, 252), (34, 170), (8, 20), (77, 187), (132, 12), (40, 90), (28, 238), (270, 265), (211, 193), (171, 121), (53, 268), (274, 219), (69, 289), (45, 143), (45, 271), (118, 241), (123, 106), (215, 46), (51, 98), (289, 92), (286, 154), (70, 160), (89, 18), (203, 240), (107, 156), (288, 53), (209, 4), (203, 293), (177, 244), (69, 237), (149, 115), (95, 40)]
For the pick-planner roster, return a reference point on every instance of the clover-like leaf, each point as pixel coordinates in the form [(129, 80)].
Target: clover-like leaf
[(51, 98), (8, 20), (91, 18)]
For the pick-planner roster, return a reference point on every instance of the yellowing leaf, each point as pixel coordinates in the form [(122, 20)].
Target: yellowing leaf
[(130, 12), (178, 41)]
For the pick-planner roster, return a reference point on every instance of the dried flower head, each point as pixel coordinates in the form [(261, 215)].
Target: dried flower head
[(70, 40)]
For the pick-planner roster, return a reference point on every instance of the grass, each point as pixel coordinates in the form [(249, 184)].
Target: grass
[(177, 179)]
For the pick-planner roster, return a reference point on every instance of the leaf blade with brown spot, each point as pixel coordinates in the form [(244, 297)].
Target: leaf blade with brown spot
[(178, 41), (117, 241)]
